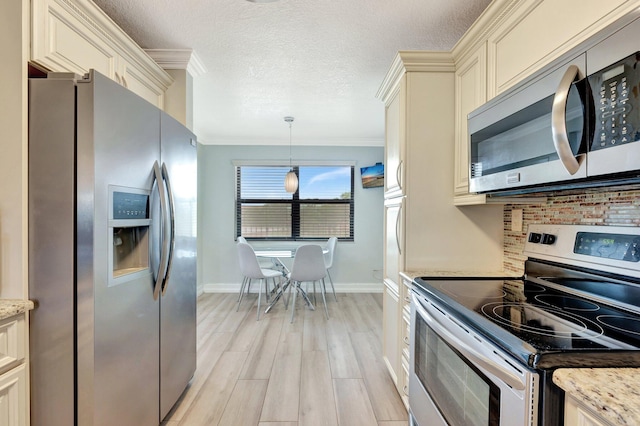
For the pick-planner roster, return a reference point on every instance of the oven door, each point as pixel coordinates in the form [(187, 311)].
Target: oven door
[(459, 378)]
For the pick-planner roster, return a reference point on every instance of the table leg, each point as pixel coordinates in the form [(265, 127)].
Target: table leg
[(278, 295)]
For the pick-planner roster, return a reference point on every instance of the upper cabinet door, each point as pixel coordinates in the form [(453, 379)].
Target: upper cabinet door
[(76, 36), (535, 32), (61, 41), (470, 92), (394, 143)]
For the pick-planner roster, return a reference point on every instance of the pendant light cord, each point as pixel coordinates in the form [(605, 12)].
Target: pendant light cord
[(290, 142), (289, 120)]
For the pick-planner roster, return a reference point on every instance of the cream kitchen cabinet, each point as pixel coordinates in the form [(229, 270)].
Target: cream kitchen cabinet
[(578, 414), (13, 397), (422, 227), (75, 35), (391, 305), (470, 93), (405, 337), (13, 377), (530, 34), (390, 330), (394, 143)]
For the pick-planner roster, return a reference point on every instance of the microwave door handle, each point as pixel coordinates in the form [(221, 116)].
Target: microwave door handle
[(559, 122), (157, 174), (506, 376)]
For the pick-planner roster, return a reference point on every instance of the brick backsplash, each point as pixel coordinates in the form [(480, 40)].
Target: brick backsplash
[(586, 208)]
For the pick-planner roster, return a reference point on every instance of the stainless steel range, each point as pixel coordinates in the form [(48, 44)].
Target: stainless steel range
[(484, 348)]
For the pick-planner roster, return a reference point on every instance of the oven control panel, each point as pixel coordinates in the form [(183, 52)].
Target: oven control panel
[(609, 248), (608, 245)]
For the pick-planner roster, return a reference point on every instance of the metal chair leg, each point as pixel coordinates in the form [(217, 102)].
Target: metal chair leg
[(290, 286), (293, 302), (332, 287), (260, 297), (246, 282), (265, 284), (326, 312)]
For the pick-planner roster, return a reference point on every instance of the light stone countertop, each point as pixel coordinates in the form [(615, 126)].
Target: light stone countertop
[(613, 393), (11, 307)]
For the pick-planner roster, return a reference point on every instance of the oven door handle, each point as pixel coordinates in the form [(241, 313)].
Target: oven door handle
[(506, 376)]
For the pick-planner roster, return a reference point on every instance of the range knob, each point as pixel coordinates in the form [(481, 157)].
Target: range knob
[(548, 239), (535, 237)]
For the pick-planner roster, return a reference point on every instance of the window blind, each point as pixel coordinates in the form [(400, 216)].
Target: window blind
[(322, 207)]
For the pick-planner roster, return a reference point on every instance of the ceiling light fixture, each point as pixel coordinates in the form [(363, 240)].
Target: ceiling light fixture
[(291, 179)]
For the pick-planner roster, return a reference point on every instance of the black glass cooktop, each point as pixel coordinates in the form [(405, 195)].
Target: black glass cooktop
[(550, 322)]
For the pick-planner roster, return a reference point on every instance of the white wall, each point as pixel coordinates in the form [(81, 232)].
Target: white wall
[(357, 265)]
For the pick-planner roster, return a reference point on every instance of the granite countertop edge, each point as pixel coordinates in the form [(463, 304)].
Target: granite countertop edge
[(11, 307), (612, 393)]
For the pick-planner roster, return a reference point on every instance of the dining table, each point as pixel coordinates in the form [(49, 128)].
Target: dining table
[(276, 254)]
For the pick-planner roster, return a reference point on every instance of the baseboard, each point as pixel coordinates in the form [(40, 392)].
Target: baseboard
[(340, 288)]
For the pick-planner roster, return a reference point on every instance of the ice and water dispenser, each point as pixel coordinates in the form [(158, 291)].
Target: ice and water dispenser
[(129, 234)]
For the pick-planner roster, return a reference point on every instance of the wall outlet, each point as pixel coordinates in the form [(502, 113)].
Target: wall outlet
[(516, 220)]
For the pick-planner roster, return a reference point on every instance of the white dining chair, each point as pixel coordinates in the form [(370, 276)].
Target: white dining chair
[(308, 266), (250, 269), (330, 247), (264, 263)]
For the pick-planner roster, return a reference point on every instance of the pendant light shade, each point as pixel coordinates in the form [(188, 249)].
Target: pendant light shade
[(291, 179), (291, 182)]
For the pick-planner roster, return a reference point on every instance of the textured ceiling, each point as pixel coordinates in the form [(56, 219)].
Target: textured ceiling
[(321, 61)]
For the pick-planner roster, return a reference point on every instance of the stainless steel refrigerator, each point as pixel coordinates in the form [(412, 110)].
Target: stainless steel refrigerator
[(112, 254)]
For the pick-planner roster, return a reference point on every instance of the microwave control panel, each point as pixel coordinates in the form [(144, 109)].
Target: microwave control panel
[(616, 98)]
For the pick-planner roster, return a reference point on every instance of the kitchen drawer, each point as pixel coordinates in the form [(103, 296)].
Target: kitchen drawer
[(13, 397), (406, 294), (406, 330), (12, 342), (405, 388)]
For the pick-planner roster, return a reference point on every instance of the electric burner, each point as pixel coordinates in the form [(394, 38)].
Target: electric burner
[(621, 323), (567, 302), (461, 293), (522, 319)]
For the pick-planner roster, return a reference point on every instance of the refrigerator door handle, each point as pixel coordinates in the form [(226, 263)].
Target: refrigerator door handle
[(162, 266), (172, 232)]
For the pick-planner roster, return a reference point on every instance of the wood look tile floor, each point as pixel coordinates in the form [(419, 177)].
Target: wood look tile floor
[(273, 373)]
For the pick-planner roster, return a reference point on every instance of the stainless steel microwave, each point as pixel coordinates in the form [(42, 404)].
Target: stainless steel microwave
[(575, 125)]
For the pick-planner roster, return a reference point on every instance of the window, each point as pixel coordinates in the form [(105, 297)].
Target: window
[(322, 206)]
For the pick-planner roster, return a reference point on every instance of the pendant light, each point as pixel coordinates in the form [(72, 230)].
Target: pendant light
[(290, 180)]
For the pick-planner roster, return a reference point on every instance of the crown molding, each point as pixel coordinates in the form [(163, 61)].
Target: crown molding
[(413, 61), (101, 26), (178, 59), (353, 142), (486, 23)]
